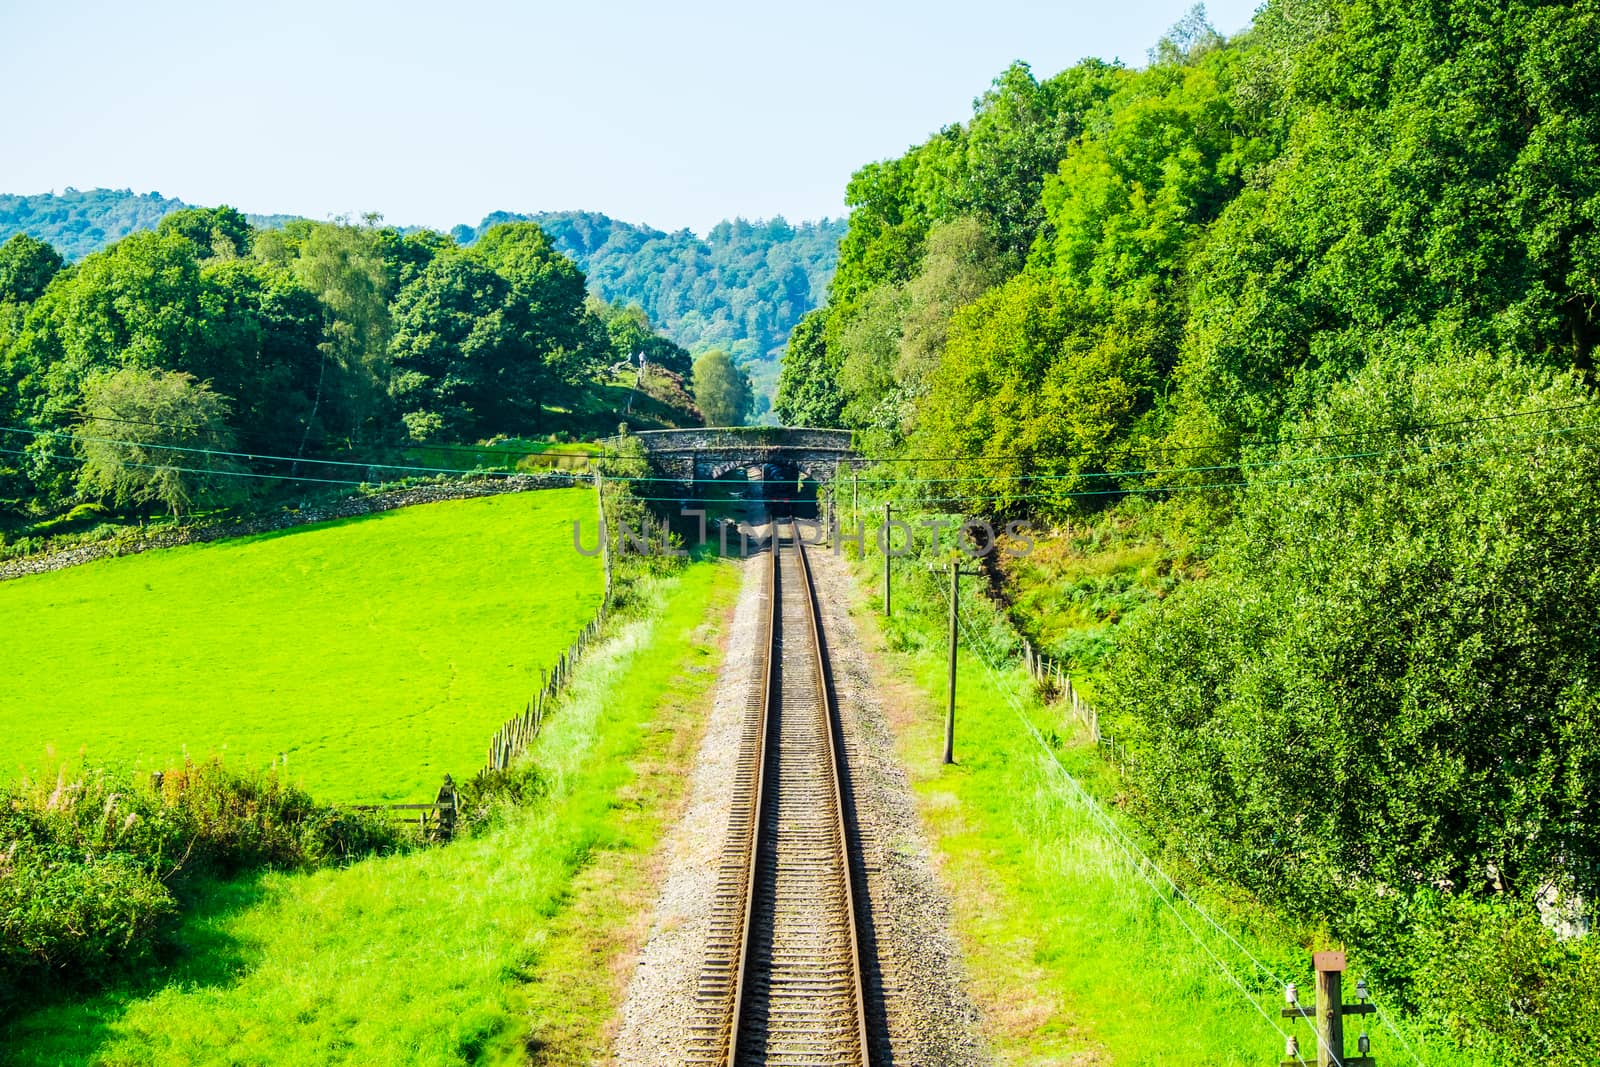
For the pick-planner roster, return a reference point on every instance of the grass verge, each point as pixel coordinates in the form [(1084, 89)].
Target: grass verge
[(1074, 958), (463, 954)]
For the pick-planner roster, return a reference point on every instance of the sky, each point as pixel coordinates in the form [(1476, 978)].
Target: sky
[(670, 114)]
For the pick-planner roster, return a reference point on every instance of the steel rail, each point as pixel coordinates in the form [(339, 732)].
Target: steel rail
[(742, 958)]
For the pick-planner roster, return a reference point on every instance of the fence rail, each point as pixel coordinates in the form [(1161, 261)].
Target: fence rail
[(1051, 675), (435, 822), (518, 732)]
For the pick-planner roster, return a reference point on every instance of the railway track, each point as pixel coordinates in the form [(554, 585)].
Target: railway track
[(782, 980)]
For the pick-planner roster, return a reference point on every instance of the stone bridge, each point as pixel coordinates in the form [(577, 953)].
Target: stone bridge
[(711, 452)]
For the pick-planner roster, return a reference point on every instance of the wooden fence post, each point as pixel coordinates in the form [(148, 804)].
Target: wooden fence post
[(447, 809)]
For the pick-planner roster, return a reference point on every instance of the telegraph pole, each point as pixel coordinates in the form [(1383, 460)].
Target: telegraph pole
[(955, 629), (1327, 1017), (950, 702), (886, 543)]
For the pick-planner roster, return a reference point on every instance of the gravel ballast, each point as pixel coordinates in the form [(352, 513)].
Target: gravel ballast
[(917, 990)]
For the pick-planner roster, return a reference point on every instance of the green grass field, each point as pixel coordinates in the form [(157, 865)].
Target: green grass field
[(463, 954), (373, 655)]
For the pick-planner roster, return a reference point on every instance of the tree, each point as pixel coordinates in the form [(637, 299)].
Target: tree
[(143, 438), (1398, 648), (808, 387), (215, 232), (550, 290), (269, 327), (26, 267), (721, 389), (340, 263), (630, 334), (138, 303), (961, 262), (462, 360)]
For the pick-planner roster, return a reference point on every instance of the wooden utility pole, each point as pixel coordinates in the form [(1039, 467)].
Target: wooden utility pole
[(950, 703), (887, 543), (1328, 1016), (955, 629), (1330, 1013), (605, 548)]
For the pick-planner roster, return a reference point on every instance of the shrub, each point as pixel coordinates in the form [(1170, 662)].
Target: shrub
[(483, 801), (1388, 682), (1506, 986), (94, 863), (1381, 708)]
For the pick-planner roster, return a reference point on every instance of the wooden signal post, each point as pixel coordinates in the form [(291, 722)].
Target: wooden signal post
[(1328, 1016)]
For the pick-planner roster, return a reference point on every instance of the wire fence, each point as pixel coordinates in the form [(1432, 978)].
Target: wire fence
[(512, 739), (1056, 685)]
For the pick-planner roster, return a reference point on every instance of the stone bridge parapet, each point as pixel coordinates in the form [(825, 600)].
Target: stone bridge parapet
[(710, 452)]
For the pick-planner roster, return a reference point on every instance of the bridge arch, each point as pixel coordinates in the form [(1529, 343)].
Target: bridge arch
[(714, 452)]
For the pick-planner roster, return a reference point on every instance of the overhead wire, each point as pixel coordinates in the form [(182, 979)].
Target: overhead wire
[(1261, 441), (1114, 491), (967, 458), (941, 502), (1137, 858)]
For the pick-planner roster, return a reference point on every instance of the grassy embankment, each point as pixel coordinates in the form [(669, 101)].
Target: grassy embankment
[(498, 948), (1074, 957), (376, 654)]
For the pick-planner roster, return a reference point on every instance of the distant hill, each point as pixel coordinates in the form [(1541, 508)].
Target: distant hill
[(78, 222), (742, 287)]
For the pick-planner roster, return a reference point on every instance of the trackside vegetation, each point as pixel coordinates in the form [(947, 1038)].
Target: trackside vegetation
[(365, 658), (98, 864), (451, 955), (1072, 951), (1292, 337)]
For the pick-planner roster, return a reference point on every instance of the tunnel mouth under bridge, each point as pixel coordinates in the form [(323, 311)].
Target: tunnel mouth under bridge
[(746, 473), (750, 493)]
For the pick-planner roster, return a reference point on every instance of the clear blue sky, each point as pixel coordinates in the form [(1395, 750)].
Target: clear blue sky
[(668, 113)]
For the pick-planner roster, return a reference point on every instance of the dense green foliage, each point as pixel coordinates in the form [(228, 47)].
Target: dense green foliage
[(123, 375), (721, 389), (1316, 287), (26, 267), (741, 288), (78, 222), (97, 864), (1420, 691)]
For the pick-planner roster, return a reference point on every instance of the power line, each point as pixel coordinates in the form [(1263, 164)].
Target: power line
[(492, 450), (1255, 465), (251, 456), (1249, 440), (193, 470), (942, 502), (1137, 858), (1117, 491), (1254, 440)]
